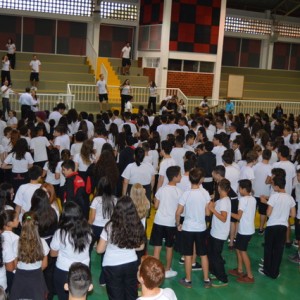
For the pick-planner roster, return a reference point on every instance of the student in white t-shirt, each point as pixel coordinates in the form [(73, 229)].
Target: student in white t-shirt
[(178, 152), (39, 145), (193, 203), (29, 282), (218, 149), (101, 210), (62, 140), (168, 161), (247, 170), (246, 228), (219, 232), (35, 67), (70, 243), (237, 153), (102, 91), (281, 206), (122, 236), (151, 275), (164, 226), (232, 173), (128, 105), (261, 187), (25, 192), (8, 221)]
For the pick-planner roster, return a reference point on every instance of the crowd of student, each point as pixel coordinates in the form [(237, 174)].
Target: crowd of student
[(70, 180)]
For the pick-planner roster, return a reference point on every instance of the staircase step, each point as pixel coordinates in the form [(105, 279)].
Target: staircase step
[(118, 62)]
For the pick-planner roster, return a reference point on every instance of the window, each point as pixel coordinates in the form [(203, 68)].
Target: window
[(190, 66), (207, 67), (64, 7), (174, 65), (118, 11)]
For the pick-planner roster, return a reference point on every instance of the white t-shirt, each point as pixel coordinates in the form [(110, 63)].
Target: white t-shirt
[(132, 126), (126, 52), (12, 121), (19, 166), (194, 202), (219, 229), (82, 166), (7, 91), (184, 183), (233, 175), (75, 148), (261, 172), (247, 173), (163, 131), (50, 177), (290, 171), (139, 174), (282, 204), (177, 154), (101, 87), (66, 253), (237, 155), (168, 197), (115, 256), (11, 48), (38, 264), (97, 205), (164, 294), (5, 65), (164, 165), (247, 204), (55, 115), (63, 141), (98, 144), (62, 178), (39, 145), (24, 195), (218, 151), (35, 66)]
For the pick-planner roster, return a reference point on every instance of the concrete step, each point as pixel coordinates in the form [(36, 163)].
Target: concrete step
[(118, 62), (259, 72), (56, 76), (23, 56), (55, 67), (135, 80), (134, 71)]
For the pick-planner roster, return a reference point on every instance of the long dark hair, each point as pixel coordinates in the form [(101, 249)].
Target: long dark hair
[(127, 230), (104, 190), (20, 148), (53, 159), (75, 227), (139, 155), (45, 214)]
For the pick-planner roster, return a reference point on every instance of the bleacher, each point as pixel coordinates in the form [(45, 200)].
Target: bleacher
[(260, 84)]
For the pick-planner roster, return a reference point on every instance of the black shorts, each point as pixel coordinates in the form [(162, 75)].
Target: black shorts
[(297, 229), (262, 207), (189, 239), (242, 241), (34, 76), (103, 97), (160, 232), (126, 62), (234, 209)]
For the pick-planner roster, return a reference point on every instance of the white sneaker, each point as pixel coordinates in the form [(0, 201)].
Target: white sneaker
[(170, 273)]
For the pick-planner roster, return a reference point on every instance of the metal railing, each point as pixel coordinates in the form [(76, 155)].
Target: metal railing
[(86, 93), (46, 101), (248, 106), (103, 70)]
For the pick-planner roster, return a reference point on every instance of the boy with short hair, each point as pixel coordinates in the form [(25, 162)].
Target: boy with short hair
[(247, 171), (166, 148), (189, 142), (79, 281), (151, 275), (194, 203), (25, 191), (221, 210), (236, 148), (280, 206), (164, 226), (75, 187), (245, 215)]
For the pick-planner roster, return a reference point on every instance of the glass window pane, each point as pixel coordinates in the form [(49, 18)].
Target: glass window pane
[(207, 67), (190, 66), (174, 65)]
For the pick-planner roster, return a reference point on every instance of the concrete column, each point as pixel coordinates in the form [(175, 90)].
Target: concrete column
[(165, 38), (270, 56), (218, 64)]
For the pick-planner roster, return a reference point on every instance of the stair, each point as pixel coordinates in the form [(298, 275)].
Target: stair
[(260, 84), (56, 72)]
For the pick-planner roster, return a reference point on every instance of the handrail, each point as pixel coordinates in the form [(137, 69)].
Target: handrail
[(46, 101), (92, 55), (104, 70)]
